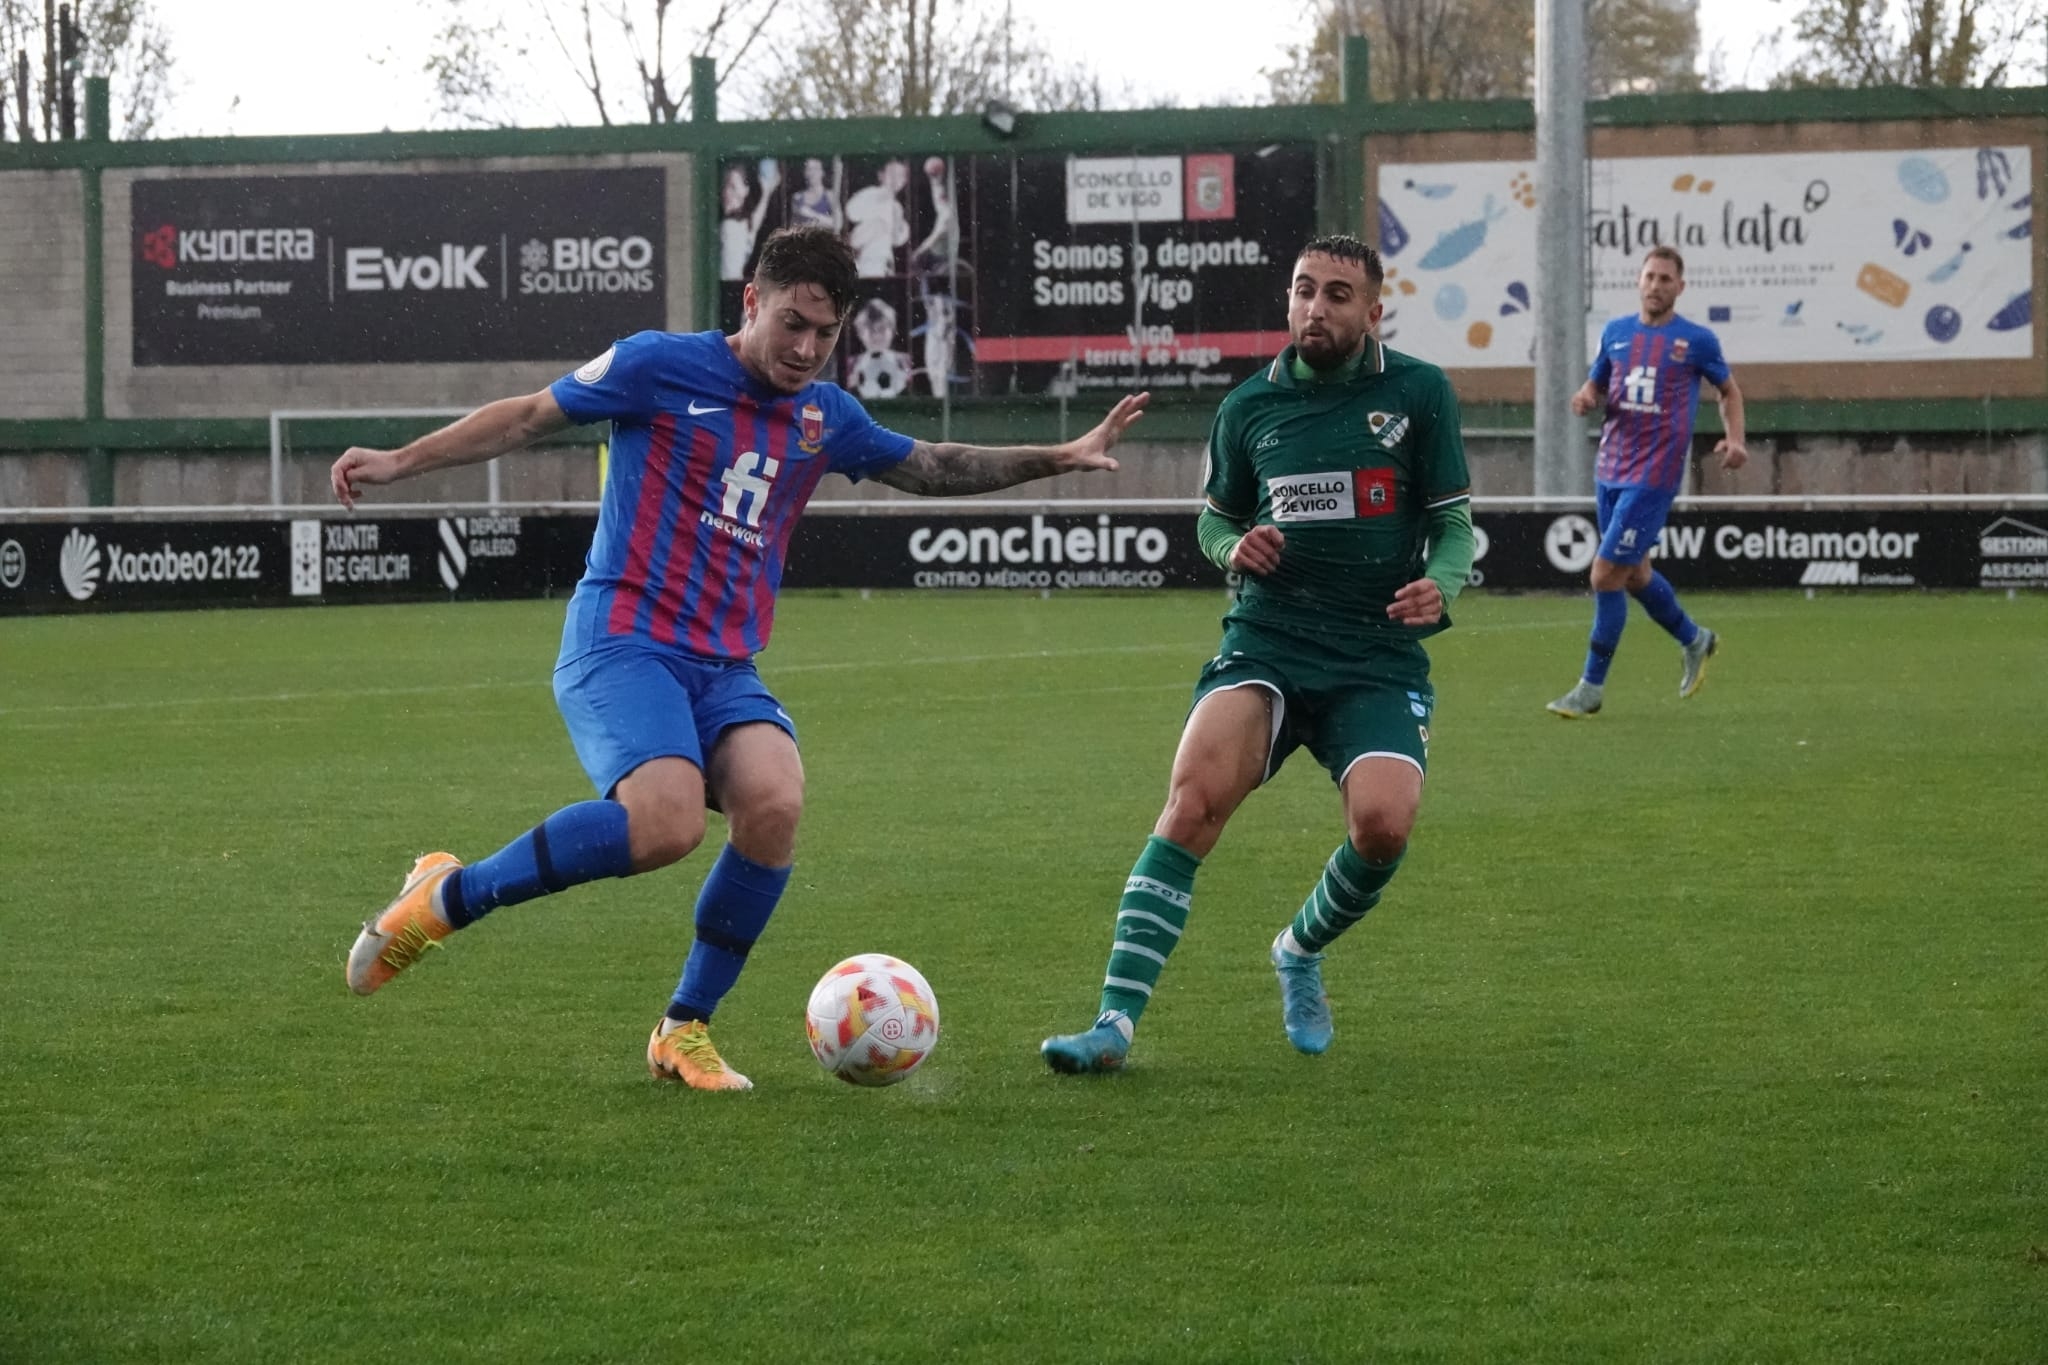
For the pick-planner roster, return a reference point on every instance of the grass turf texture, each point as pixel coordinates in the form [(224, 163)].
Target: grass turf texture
[(1695, 1032)]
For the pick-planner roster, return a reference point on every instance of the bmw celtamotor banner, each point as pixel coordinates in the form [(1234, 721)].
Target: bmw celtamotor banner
[(126, 565), (396, 269)]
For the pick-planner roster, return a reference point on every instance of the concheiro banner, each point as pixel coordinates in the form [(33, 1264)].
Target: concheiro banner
[(1796, 257), (127, 565), (990, 275), (463, 266)]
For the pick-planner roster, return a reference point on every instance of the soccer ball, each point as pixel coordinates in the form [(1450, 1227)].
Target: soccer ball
[(872, 1020)]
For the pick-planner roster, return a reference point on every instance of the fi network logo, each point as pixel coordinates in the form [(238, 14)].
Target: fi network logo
[(78, 564), (1640, 386)]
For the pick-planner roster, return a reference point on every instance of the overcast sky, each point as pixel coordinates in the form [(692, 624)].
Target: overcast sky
[(248, 68)]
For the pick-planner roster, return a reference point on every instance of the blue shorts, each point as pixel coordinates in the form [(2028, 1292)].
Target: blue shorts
[(1631, 518), (628, 701)]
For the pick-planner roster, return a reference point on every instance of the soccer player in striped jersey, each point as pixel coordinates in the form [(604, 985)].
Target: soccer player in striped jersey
[(1648, 374), (717, 444), (1337, 487)]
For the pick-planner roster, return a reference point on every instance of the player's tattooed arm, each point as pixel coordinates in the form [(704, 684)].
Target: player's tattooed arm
[(948, 469)]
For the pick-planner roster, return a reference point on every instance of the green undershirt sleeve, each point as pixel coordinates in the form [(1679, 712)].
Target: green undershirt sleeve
[(1450, 549), (1218, 536)]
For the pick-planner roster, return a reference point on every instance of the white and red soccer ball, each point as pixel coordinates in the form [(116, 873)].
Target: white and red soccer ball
[(872, 1019)]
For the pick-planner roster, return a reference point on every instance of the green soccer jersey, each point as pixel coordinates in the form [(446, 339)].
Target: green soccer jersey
[(1349, 467)]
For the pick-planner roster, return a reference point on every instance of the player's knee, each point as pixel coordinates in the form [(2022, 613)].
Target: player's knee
[(1380, 836), (764, 829), (1194, 815), (664, 835)]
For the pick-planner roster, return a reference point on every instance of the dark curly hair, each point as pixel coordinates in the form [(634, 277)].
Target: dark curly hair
[(809, 255), (1345, 247)]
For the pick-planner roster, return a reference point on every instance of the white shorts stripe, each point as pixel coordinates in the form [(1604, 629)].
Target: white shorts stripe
[(1122, 947), (1124, 983), (1160, 920), (1379, 753)]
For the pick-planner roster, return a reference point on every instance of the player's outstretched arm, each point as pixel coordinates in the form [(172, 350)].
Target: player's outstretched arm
[(492, 430), (950, 470)]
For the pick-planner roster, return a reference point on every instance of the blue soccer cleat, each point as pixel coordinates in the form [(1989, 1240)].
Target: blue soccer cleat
[(1304, 1009), (1101, 1048)]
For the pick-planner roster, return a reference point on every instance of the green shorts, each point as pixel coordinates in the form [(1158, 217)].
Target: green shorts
[(1340, 704)]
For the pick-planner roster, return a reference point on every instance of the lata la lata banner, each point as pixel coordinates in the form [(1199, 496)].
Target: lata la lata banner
[(993, 275)]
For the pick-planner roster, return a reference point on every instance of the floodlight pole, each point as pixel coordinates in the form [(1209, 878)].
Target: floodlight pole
[(1562, 467)]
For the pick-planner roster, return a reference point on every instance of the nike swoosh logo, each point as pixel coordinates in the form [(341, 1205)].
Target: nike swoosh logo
[(696, 411)]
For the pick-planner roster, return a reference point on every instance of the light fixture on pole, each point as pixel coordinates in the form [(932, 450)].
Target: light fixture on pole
[(999, 118)]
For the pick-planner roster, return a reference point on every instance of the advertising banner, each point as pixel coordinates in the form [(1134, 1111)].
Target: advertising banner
[(113, 566), (1552, 551), (1049, 552), (418, 268), (1796, 257), (990, 275)]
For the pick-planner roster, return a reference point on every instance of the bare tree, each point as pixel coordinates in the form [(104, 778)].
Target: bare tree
[(852, 58), (630, 59), (121, 40), (1483, 49), (1950, 43)]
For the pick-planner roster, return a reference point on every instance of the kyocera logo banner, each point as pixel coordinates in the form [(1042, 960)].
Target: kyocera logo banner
[(398, 269)]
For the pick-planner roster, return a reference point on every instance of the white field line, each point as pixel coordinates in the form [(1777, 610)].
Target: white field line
[(1575, 623)]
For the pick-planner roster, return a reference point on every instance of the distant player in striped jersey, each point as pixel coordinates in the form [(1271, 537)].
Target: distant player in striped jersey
[(1648, 374), (1336, 485), (717, 444)]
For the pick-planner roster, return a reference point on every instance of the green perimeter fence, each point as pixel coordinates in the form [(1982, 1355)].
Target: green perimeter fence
[(1344, 136)]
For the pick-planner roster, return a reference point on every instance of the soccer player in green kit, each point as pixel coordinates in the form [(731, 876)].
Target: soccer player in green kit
[(1337, 488)]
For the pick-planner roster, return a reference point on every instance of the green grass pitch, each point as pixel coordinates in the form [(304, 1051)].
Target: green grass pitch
[(1702, 1031)]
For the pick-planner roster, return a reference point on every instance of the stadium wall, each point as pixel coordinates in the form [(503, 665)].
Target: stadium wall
[(82, 425), (42, 277)]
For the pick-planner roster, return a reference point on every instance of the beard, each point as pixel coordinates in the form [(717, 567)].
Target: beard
[(1325, 350)]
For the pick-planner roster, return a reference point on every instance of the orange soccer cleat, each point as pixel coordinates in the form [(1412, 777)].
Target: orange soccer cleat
[(685, 1054), (405, 930)]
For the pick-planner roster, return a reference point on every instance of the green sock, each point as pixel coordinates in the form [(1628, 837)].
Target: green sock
[(1349, 887), (1149, 920)]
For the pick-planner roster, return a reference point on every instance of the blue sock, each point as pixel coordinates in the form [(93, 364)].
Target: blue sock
[(1610, 614), (732, 909), (576, 844), (1662, 603)]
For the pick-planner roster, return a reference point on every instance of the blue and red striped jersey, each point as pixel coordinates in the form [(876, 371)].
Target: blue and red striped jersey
[(710, 469), (1651, 376)]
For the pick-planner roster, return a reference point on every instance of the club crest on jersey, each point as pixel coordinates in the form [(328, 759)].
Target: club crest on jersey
[(1376, 491), (1387, 427), (1679, 348), (812, 433)]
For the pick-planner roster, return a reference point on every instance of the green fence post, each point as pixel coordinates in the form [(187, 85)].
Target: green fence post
[(1355, 90), (704, 168), (99, 463)]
